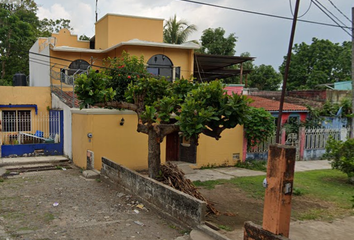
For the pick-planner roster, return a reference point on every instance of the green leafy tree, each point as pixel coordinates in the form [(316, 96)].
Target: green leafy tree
[(163, 107), (49, 26), (17, 34), (177, 32), (84, 37), (342, 156), (320, 62), (124, 70), (19, 29), (264, 77), (258, 126), (213, 41)]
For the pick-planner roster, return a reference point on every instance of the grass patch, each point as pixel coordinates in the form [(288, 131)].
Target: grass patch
[(258, 165), (224, 227)]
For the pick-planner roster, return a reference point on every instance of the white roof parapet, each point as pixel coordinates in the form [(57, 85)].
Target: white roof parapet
[(133, 42)]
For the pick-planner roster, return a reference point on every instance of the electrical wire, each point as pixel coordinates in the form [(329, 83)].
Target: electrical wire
[(340, 11), (329, 12), (308, 9), (262, 14), (318, 4)]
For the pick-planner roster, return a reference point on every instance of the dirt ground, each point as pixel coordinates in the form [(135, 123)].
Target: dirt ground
[(239, 207), (63, 205)]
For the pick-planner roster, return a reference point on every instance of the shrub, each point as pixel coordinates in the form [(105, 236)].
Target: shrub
[(342, 155)]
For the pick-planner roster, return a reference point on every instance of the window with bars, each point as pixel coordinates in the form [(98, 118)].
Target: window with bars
[(16, 120)]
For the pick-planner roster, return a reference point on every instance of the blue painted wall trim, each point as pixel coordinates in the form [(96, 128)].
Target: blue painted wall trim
[(19, 150), (49, 148), (21, 106)]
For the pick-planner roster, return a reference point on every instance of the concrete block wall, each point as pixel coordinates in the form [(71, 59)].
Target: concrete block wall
[(171, 203)]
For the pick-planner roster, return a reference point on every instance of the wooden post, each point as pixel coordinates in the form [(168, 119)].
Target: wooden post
[(241, 73), (277, 200), (302, 141)]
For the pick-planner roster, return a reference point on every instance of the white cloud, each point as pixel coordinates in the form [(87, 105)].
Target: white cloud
[(264, 37)]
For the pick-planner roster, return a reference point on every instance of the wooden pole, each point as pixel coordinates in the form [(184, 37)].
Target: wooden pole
[(277, 199), (286, 73), (352, 120)]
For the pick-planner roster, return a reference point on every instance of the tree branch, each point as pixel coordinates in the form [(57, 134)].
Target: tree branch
[(143, 128), (214, 133)]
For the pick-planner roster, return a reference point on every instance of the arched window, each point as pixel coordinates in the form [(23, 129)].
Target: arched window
[(76, 67), (79, 64), (161, 65)]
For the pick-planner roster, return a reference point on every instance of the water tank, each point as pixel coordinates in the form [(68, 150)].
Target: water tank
[(19, 79)]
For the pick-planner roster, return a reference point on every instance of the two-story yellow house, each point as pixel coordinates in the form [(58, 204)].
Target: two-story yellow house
[(90, 134)]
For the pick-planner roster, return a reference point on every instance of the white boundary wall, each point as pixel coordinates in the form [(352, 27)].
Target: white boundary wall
[(39, 67), (58, 104)]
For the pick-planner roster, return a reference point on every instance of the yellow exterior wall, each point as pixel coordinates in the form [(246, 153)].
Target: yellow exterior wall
[(124, 145), (121, 144), (114, 29), (40, 96), (218, 153), (65, 38), (180, 57)]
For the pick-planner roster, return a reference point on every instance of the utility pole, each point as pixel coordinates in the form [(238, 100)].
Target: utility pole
[(352, 122), (286, 73), (96, 11)]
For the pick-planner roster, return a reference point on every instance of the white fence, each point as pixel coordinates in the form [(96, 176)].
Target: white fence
[(23, 127), (310, 143), (316, 138)]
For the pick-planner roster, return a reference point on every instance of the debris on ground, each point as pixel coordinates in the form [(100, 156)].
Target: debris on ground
[(174, 177)]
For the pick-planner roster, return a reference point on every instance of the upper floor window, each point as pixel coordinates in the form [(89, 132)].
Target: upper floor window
[(76, 67), (161, 65)]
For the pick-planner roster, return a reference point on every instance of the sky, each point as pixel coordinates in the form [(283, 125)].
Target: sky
[(265, 38)]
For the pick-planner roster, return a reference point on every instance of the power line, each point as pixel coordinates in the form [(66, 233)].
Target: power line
[(262, 14), (324, 9), (308, 9), (340, 11)]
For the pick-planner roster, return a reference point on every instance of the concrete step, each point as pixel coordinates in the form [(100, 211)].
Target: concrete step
[(91, 174), (32, 160)]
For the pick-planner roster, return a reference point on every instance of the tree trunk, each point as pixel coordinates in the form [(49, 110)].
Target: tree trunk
[(154, 159)]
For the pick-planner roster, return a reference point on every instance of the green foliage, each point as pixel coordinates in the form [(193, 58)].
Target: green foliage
[(17, 35), (49, 26), (84, 38), (258, 165), (19, 28), (264, 77), (320, 62), (124, 70), (209, 109), (177, 32), (342, 155), (92, 88), (214, 42), (258, 126)]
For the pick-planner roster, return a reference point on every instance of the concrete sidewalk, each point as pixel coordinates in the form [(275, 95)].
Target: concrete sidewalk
[(232, 172)]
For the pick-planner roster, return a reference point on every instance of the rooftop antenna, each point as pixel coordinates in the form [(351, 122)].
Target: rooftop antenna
[(96, 11)]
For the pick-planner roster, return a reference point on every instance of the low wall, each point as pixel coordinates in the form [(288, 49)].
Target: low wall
[(313, 154), (187, 210), (27, 149)]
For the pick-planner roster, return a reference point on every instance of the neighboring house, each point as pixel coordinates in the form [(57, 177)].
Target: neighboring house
[(344, 85), (91, 134), (291, 112), (27, 123)]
